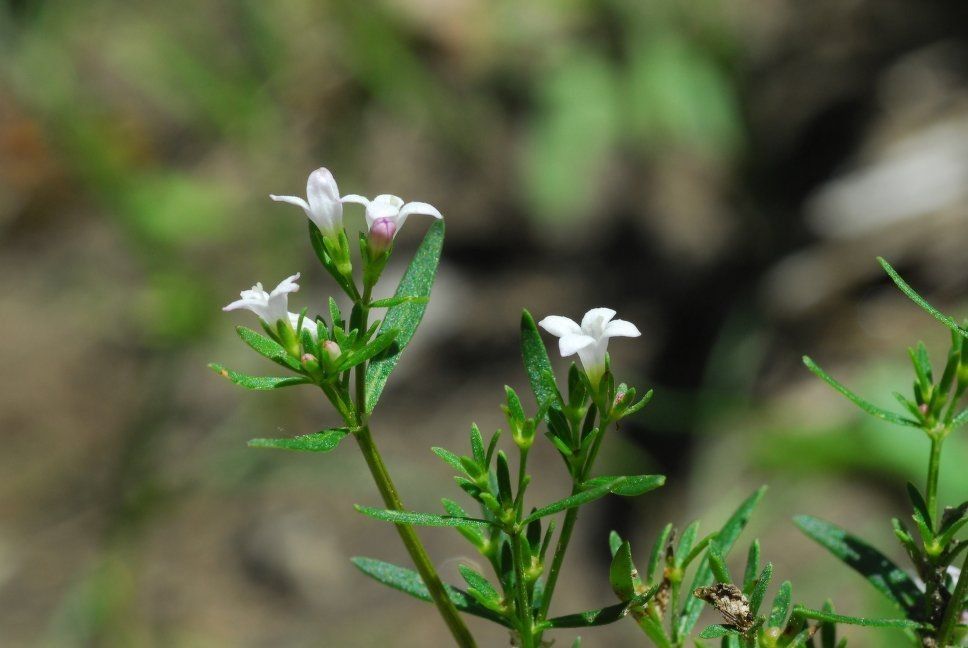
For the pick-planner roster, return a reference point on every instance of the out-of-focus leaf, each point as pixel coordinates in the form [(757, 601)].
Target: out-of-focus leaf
[(257, 382), (405, 317), (878, 569), (409, 582), (318, 442), (716, 631)]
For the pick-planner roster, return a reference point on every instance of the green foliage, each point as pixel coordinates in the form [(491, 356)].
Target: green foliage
[(405, 317), (319, 442), (421, 519), (257, 382)]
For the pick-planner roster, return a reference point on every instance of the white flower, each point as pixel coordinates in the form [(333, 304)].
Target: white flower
[(270, 307), (391, 210), (308, 324), (324, 207), (590, 340)]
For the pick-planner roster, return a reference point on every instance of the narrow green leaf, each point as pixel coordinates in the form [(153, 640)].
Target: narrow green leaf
[(381, 343), (578, 499), (724, 539), (601, 616), (819, 615), (397, 301), (960, 419), (945, 538), (828, 629), (477, 444), (716, 631), (417, 282), (536, 362), (871, 409), (319, 442), (622, 575), (759, 590), (686, 542), (752, 566), (878, 569), (421, 519), (409, 582), (479, 583), (658, 549), (614, 541), (630, 486), (449, 458), (781, 605), (919, 300), (257, 382), (267, 347), (718, 565)]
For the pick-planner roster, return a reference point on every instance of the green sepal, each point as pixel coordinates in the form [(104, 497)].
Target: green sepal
[(889, 579), (409, 582), (417, 281), (871, 409), (324, 441), (324, 248), (258, 382), (381, 343), (267, 348), (421, 519), (601, 616)]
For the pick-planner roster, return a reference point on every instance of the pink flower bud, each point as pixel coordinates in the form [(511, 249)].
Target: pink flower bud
[(332, 350), (308, 358), (381, 234)]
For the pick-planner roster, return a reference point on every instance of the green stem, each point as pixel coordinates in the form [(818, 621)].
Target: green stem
[(410, 540), (934, 465), (954, 609), (560, 548), (525, 620), (392, 501)]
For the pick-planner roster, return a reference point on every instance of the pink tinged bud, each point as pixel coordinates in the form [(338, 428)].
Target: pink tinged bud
[(307, 358), (332, 350), (381, 234), (923, 408)]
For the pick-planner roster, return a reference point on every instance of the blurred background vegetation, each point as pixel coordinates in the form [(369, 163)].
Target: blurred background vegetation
[(722, 173)]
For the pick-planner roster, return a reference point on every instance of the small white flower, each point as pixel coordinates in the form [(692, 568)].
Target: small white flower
[(308, 324), (590, 340), (391, 210), (270, 307), (324, 207)]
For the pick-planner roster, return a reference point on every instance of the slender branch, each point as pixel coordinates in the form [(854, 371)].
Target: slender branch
[(525, 619), (954, 609), (934, 465), (391, 499)]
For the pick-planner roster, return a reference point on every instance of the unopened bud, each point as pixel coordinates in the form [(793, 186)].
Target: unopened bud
[(309, 361), (381, 234), (332, 350)]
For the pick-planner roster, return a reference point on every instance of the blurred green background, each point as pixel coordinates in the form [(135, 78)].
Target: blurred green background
[(721, 173)]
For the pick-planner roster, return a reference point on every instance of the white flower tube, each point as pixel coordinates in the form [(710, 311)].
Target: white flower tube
[(389, 213), (590, 339)]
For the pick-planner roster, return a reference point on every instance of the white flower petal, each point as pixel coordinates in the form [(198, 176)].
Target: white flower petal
[(308, 324), (287, 285), (569, 344), (560, 326), (321, 187), (389, 199), (355, 198), (292, 200), (621, 328), (238, 304), (594, 321)]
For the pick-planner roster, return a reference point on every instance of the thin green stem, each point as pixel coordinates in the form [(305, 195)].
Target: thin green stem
[(934, 465), (391, 499), (571, 516), (954, 609), (410, 540), (525, 619)]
